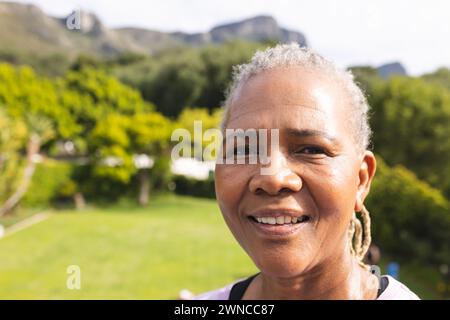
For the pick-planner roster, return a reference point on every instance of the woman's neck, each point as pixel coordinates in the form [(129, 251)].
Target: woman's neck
[(340, 277)]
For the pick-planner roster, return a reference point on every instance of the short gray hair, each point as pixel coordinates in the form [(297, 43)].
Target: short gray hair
[(284, 55)]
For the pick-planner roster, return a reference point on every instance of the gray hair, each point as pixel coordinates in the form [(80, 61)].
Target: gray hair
[(285, 55)]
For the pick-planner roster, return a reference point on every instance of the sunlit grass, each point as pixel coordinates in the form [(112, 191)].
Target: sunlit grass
[(124, 252)]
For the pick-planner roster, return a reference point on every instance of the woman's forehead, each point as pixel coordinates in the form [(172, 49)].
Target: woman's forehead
[(284, 117), (287, 95)]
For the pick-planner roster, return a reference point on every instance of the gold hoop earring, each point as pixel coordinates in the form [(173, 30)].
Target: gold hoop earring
[(359, 234)]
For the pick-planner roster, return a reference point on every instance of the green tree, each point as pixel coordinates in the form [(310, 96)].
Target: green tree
[(218, 66), (13, 137), (102, 106), (185, 76), (410, 218), (207, 120), (119, 141), (178, 82), (23, 93), (411, 124), (31, 100), (441, 76)]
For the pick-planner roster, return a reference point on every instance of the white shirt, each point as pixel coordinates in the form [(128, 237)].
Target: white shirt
[(395, 290)]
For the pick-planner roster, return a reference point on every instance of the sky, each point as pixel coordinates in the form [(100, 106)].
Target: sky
[(349, 32)]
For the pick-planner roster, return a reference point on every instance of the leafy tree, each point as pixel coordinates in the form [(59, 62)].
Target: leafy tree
[(51, 65), (441, 76), (178, 82), (13, 137), (207, 120), (411, 124), (184, 76), (40, 131), (31, 101), (122, 139), (218, 65), (410, 218), (103, 107), (23, 93)]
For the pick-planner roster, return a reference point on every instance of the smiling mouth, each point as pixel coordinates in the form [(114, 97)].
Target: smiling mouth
[(280, 220), (278, 225)]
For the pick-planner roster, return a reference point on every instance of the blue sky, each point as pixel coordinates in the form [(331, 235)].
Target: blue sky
[(414, 32)]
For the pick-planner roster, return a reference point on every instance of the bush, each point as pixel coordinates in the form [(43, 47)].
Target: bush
[(196, 188), (49, 182), (410, 218), (410, 120), (160, 174), (99, 189)]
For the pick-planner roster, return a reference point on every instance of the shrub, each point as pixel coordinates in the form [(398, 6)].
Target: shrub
[(49, 182), (410, 218), (196, 188)]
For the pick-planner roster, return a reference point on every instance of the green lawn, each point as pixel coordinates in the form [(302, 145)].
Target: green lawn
[(126, 252)]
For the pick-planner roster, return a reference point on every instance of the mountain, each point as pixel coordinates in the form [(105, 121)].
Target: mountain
[(389, 69), (259, 28), (26, 28)]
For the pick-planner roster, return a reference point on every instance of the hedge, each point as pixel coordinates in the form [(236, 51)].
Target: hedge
[(410, 218), (49, 181)]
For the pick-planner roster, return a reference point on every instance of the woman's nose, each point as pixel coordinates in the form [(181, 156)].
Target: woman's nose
[(276, 179)]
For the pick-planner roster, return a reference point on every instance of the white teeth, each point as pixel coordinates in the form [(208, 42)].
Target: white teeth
[(280, 220)]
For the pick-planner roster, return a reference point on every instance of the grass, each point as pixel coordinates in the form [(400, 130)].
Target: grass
[(123, 253), (126, 252), (19, 215)]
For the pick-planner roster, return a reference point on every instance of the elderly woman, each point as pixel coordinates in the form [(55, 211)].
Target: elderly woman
[(298, 223)]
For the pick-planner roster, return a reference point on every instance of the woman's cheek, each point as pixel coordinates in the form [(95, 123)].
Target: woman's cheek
[(333, 189), (229, 187)]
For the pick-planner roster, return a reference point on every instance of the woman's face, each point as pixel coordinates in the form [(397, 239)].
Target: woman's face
[(318, 175)]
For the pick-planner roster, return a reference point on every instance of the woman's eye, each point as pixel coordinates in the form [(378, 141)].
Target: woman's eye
[(312, 150)]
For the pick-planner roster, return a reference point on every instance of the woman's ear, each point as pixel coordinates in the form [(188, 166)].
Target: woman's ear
[(365, 175)]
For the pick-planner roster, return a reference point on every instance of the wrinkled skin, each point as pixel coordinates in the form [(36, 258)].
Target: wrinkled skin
[(318, 170)]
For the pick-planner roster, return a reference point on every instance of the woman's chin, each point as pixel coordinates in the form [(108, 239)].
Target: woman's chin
[(287, 267)]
